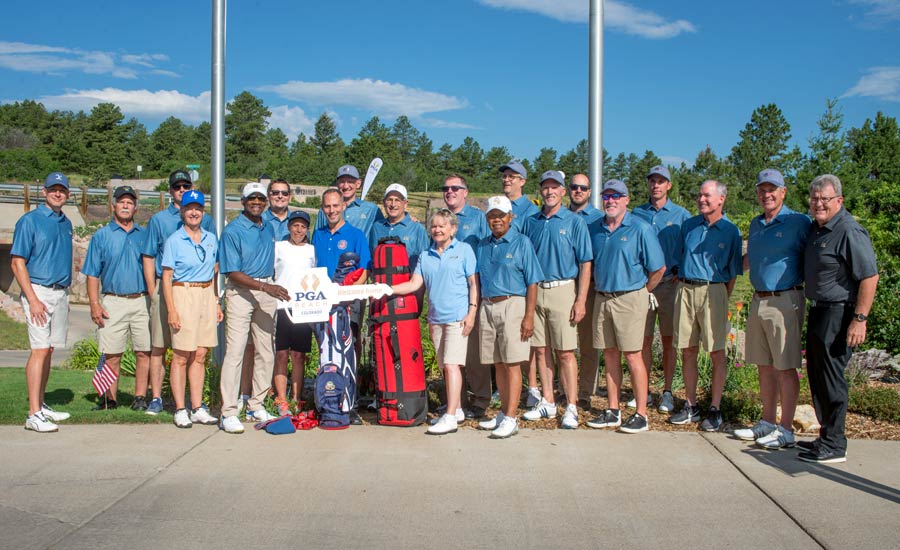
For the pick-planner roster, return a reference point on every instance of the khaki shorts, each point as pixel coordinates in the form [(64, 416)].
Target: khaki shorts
[(450, 345), (665, 295), (501, 329), (197, 309), (775, 329), (127, 316), (551, 318), (53, 333), (160, 333), (619, 320), (701, 316)]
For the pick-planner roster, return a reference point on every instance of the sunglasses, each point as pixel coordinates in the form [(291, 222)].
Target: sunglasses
[(613, 196), (454, 188), (182, 186), (574, 187), (201, 253), (279, 193)]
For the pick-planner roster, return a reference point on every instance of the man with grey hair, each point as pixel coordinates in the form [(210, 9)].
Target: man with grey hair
[(841, 278), (709, 263)]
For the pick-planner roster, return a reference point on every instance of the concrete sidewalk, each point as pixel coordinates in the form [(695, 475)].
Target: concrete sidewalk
[(372, 487)]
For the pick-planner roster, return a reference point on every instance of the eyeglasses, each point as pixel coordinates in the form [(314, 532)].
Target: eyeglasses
[(506, 177), (182, 186), (394, 200), (201, 253), (454, 188), (275, 193), (821, 200), (574, 187), (613, 196), (255, 197)]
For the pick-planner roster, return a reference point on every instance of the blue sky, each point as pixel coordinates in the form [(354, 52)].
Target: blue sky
[(677, 76)]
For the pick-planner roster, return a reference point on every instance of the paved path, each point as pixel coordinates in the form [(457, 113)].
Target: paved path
[(371, 487)]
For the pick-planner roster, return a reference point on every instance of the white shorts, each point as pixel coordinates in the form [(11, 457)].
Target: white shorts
[(53, 333)]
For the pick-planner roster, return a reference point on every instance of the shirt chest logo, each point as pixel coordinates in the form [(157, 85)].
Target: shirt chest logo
[(342, 244), (623, 238), (779, 234), (722, 246), (509, 256), (562, 231), (669, 223), (363, 216)]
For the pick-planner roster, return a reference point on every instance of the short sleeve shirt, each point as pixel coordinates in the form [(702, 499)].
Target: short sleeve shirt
[(446, 278), (279, 227), (43, 239), (472, 225), (522, 208), (114, 256), (507, 266), (248, 247), (666, 221), (838, 255), (561, 242), (358, 213), (161, 226), (589, 214), (711, 253), (775, 250), (623, 258), (190, 262), (412, 234), (329, 246)]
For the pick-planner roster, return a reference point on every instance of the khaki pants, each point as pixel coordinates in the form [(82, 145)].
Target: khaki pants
[(253, 312)]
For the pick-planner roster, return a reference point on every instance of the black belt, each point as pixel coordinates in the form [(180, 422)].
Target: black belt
[(767, 293), (54, 286), (130, 296), (828, 303), (616, 294), (698, 282)]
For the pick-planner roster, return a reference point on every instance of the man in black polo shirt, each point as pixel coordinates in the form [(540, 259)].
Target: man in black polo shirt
[(841, 277)]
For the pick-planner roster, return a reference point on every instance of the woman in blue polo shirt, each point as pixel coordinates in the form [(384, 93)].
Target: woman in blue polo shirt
[(190, 265), (447, 269)]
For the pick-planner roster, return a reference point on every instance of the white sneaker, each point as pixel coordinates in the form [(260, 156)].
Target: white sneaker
[(759, 430), (201, 416), (778, 439), (491, 423), (666, 402), (570, 418), (446, 424), (182, 420), (55, 416), (37, 422), (262, 415), (508, 427), (633, 403), (541, 410), (534, 397), (460, 417), (231, 425)]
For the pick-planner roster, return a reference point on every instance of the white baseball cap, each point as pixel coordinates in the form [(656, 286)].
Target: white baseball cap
[(500, 203), (254, 187), (396, 188)]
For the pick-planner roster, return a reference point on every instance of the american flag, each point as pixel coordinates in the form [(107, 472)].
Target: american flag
[(104, 376)]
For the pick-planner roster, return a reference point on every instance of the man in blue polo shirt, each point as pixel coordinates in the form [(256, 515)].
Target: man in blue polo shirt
[(113, 263), (580, 204), (247, 257), (514, 176), (398, 223), (359, 213), (709, 264), (563, 249), (775, 322), (472, 227), (628, 264), (338, 237), (42, 265), (666, 218), (277, 213), (160, 228)]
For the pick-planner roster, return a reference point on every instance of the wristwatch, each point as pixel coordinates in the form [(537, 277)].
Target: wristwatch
[(860, 317)]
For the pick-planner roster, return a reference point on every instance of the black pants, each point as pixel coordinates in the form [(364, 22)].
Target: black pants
[(827, 355)]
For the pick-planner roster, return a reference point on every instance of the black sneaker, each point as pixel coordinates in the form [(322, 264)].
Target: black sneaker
[(713, 420), (474, 413), (686, 415), (823, 456), (635, 424), (139, 403), (812, 446), (609, 419), (106, 405)]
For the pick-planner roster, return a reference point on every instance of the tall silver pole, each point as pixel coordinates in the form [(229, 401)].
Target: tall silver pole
[(217, 123), (595, 103)]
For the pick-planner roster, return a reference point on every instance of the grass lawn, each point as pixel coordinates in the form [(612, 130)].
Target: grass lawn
[(13, 335), (70, 391)]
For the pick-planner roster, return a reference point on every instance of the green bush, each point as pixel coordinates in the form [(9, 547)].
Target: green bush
[(86, 354), (741, 405), (878, 403)]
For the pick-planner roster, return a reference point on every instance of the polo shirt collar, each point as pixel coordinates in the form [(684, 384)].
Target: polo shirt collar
[(245, 221), (560, 213), (403, 221), (504, 238), (172, 209), (115, 225), (837, 218), (47, 211), (453, 243)]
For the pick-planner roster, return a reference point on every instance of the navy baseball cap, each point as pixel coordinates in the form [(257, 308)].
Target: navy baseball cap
[(554, 175), (660, 170), (347, 170), (193, 197), (516, 167), (298, 215), (179, 176), (123, 190), (770, 175), (615, 185), (56, 178)]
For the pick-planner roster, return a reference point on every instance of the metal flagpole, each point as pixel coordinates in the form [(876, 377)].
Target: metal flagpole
[(217, 123), (595, 102)]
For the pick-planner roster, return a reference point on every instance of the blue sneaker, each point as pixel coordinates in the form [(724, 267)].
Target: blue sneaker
[(155, 407)]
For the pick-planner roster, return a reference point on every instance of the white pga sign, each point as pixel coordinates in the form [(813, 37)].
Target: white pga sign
[(313, 294)]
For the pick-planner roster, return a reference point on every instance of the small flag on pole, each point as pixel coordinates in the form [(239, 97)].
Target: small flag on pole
[(104, 376)]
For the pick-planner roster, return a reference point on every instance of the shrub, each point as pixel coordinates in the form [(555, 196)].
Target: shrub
[(741, 405), (86, 354), (879, 403)]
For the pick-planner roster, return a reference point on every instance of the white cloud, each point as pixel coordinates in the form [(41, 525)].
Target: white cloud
[(137, 103), (380, 97), (879, 82), (291, 120), (438, 123), (617, 15), (39, 58), (673, 160), (880, 11)]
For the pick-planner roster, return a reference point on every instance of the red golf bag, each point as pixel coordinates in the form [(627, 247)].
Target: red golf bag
[(397, 343)]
